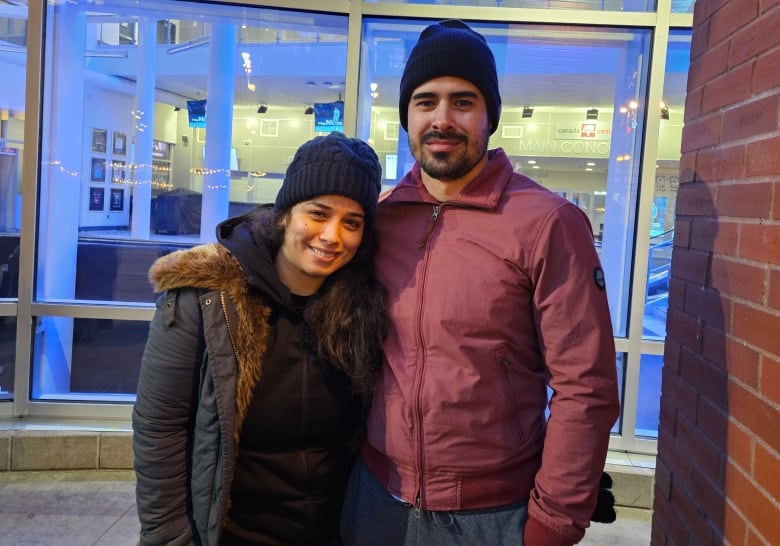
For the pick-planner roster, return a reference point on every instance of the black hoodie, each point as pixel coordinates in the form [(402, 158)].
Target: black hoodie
[(240, 433), (293, 452)]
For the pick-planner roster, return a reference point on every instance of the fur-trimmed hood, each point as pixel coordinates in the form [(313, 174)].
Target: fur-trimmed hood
[(240, 259), (214, 267), (209, 266)]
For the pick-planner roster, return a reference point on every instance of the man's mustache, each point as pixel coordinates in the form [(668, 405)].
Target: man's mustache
[(441, 135)]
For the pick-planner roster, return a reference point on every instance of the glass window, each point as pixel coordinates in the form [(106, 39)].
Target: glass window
[(202, 107), (596, 5), (622, 359), (648, 403), (9, 265), (682, 6), (666, 182), (13, 62), (7, 356), (571, 119), (149, 169), (105, 358)]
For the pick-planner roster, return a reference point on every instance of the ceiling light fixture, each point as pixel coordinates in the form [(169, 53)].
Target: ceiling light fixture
[(8, 48), (528, 112), (105, 54)]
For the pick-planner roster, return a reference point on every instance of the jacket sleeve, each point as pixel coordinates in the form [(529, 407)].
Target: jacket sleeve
[(576, 339), (162, 418)]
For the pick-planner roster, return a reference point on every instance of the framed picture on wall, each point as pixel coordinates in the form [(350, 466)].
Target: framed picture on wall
[(161, 150), (99, 140), (119, 143), (118, 172), (97, 172), (117, 201), (96, 197)]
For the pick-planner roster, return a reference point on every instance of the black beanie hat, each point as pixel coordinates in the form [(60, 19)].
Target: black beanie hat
[(333, 165), (451, 48)]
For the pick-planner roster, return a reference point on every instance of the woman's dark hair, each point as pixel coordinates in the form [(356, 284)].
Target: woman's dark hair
[(349, 313)]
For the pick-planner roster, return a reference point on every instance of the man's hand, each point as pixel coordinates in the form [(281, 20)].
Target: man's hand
[(605, 504)]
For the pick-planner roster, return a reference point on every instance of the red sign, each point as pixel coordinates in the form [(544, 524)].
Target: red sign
[(588, 130)]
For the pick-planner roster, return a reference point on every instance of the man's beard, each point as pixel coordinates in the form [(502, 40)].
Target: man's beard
[(448, 165)]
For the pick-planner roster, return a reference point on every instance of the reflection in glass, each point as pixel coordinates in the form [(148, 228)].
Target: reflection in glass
[(139, 178), (666, 183), (9, 266), (7, 356), (13, 60), (595, 5), (572, 119), (87, 359), (622, 358), (648, 404)]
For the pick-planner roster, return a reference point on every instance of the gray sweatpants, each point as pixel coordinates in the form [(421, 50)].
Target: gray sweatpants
[(373, 517)]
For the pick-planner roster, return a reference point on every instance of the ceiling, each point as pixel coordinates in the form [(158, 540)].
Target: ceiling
[(299, 58)]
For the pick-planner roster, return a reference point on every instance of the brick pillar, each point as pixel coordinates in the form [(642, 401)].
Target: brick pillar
[(718, 466)]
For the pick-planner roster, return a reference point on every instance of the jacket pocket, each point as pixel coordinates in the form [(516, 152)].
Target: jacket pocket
[(504, 364)]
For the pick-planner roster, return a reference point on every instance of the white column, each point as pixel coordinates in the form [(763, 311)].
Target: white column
[(219, 129), (143, 129), (65, 181)]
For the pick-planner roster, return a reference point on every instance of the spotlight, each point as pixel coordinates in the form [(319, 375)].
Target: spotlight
[(664, 112), (593, 113), (528, 112), (309, 110), (262, 109)]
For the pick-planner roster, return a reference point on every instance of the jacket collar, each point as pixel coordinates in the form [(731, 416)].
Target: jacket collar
[(209, 266), (484, 191)]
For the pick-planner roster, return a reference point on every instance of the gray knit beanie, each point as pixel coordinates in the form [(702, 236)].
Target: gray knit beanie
[(333, 165), (451, 48)]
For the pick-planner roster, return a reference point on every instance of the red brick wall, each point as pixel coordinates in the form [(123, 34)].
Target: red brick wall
[(718, 467)]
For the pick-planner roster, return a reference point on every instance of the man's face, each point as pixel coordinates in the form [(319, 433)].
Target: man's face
[(448, 127)]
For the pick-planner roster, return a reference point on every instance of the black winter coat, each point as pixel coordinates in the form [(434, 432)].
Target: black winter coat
[(226, 329)]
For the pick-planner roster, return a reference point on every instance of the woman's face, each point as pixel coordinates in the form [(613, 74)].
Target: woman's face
[(321, 236)]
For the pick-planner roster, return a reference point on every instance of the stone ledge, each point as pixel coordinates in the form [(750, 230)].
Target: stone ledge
[(22, 450), (632, 485), (65, 450)]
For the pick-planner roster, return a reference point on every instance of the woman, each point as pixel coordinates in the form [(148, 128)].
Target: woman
[(260, 359)]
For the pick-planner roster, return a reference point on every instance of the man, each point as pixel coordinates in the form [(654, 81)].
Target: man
[(495, 293)]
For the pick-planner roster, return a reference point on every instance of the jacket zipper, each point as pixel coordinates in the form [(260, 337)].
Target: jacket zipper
[(506, 387), (230, 332), (224, 508), (424, 241), (419, 379)]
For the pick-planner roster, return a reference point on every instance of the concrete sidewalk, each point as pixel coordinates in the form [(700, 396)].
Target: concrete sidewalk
[(97, 507)]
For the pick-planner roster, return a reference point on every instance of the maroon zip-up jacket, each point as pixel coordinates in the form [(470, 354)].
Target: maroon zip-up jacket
[(493, 296)]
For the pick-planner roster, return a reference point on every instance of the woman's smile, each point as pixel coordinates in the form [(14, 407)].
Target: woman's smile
[(321, 236)]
